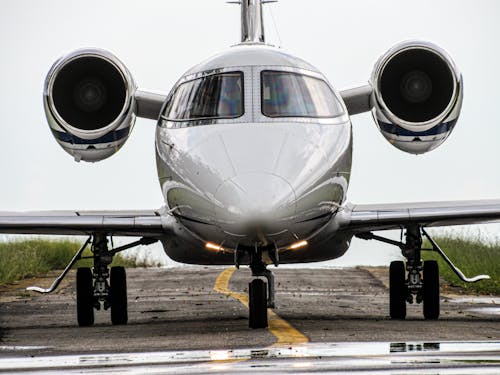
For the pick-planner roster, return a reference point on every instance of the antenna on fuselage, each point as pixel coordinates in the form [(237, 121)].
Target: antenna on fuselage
[(252, 21)]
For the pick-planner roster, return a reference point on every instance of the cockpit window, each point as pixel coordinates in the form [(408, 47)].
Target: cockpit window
[(286, 94), (217, 96)]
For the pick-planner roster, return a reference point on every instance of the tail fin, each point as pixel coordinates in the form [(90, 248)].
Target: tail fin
[(252, 24)]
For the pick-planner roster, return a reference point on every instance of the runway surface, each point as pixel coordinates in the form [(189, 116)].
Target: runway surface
[(195, 320)]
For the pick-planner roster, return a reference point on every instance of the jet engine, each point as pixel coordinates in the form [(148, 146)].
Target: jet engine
[(89, 103), (417, 96)]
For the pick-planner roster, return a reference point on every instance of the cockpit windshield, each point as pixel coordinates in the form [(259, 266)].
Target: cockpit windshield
[(286, 94), (217, 96)]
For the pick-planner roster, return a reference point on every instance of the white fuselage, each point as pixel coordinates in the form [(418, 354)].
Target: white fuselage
[(255, 180)]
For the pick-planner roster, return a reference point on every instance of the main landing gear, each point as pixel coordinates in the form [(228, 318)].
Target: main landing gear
[(93, 290), (260, 293), (416, 281), (99, 287)]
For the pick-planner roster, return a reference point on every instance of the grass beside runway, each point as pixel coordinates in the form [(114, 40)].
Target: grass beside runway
[(473, 256), (21, 259), (27, 258)]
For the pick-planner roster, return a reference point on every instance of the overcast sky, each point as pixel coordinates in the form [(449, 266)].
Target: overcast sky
[(159, 40)]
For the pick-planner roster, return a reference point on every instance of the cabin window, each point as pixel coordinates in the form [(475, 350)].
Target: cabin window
[(286, 94), (217, 96)]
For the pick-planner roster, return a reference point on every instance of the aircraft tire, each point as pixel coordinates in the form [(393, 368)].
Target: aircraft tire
[(397, 290), (84, 297), (431, 290), (257, 304), (118, 296)]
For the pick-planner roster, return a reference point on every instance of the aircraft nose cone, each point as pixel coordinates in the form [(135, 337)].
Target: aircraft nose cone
[(255, 199)]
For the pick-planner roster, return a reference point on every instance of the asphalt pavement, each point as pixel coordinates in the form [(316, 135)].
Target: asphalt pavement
[(194, 319)]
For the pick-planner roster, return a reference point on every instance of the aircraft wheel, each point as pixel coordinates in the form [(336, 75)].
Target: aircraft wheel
[(397, 290), (84, 297), (118, 296), (257, 291), (431, 289)]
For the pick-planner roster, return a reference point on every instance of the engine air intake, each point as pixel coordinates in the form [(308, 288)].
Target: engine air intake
[(417, 96), (89, 93), (90, 104), (416, 85)]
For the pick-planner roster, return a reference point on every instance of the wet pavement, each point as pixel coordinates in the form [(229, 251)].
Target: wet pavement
[(326, 320), (380, 357)]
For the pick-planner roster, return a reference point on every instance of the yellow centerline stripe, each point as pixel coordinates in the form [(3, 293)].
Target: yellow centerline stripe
[(285, 333)]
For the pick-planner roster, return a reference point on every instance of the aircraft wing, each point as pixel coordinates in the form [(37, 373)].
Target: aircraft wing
[(152, 223), (373, 217)]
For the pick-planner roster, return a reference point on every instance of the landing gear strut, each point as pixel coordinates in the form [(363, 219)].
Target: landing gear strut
[(93, 290), (98, 287), (260, 294), (418, 281), (421, 284)]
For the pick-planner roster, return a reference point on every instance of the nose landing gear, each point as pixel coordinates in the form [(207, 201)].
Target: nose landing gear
[(257, 304), (260, 293)]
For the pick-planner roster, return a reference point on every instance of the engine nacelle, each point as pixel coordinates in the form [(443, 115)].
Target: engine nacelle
[(417, 96), (89, 103)]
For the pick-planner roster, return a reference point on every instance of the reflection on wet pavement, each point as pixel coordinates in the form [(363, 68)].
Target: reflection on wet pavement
[(486, 310), (403, 347), (383, 357)]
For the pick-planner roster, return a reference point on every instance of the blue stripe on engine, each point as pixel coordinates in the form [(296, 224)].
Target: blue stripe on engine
[(397, 130), (108, 138)]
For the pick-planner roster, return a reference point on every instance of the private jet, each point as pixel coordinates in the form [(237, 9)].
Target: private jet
[(253, 152)]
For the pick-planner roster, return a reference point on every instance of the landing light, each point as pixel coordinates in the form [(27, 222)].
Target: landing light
[(212, 246), (297, 245)]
